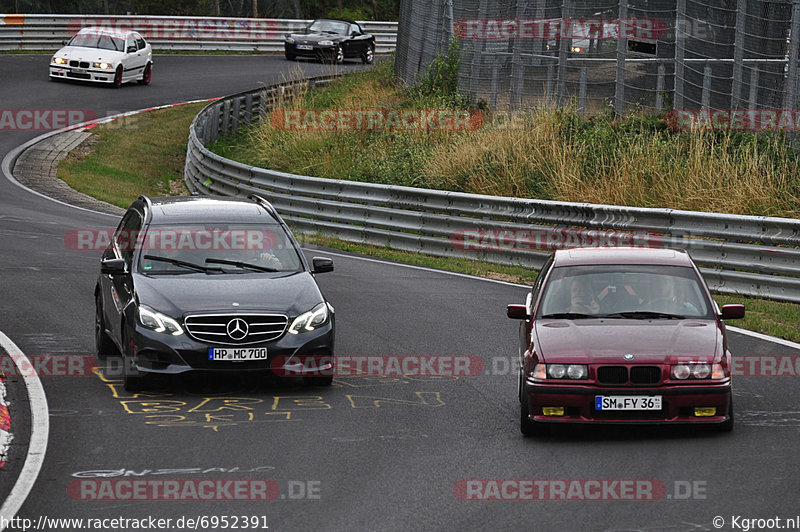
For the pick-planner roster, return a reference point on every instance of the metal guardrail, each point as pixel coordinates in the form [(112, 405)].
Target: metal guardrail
[(48, 32), (749, 255)]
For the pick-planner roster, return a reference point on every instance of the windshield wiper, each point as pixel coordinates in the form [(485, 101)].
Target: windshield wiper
[(569, 316), (645, 314), (242, 265), (182, 263)]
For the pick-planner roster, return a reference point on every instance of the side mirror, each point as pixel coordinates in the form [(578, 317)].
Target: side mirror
[(112, 266), (517, 312), (322, 265), (732, 312), (132, 49)]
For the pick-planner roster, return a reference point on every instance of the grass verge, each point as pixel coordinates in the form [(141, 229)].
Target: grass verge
[(549, 153), (134, 155), (144, 154)]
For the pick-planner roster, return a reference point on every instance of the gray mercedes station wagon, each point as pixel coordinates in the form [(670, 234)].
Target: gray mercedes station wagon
[(211, 284)]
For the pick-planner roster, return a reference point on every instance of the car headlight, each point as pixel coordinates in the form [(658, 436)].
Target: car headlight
[(561, 371), (59, 61), (103, 66), (308, 321), (289, 40), (698, 370), (158, 322), (326, 43)]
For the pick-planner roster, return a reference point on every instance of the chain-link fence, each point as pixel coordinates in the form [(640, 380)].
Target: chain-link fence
[(659, 54)]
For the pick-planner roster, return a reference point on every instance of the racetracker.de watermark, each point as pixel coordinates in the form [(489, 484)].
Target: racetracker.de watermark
[(499, 489), (551, 239), (378, 366), (43, 119), (412, 120), (548, 29), (172, 239), (183, 28), (733, 119)]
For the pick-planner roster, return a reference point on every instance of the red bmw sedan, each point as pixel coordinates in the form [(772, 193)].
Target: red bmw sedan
[(623, 335)]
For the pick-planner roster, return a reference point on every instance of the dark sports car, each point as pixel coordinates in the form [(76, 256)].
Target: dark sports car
[(331, 40)]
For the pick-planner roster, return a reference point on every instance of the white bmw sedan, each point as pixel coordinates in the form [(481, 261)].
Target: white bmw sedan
[(104, 56)]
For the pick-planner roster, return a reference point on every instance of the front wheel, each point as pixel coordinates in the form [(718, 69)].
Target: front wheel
[(290, 57), (338, 55), (727, 426), (103, 344), (131, 383), (117, 83), (526, 426), (147, 74), (368, 56)]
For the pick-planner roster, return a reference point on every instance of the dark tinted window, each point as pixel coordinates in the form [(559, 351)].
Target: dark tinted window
[(125, 236), (608, 289)]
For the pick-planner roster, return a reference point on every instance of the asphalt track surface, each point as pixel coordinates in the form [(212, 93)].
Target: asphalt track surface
[(374, 454)]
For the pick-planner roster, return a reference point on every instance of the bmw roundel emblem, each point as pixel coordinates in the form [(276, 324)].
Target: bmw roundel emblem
[(628, 356)]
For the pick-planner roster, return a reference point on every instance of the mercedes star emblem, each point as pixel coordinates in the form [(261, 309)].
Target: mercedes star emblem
[(237, 329)]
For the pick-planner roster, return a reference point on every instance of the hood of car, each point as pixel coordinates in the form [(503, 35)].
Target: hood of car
[(82, 53), (178, 295), (596, 341), (313, 38)]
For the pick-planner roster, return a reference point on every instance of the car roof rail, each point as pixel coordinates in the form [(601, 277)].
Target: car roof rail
[(264, 203)]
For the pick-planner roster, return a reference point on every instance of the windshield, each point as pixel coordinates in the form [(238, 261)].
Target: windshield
[(103, 41), (233, 248), (624, 291), (333, 27)]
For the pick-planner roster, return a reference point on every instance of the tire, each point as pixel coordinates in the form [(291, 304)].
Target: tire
[(290, 57), (369, 56), (117, 83), (727, 426), (526, 426), (103, 345), (147, 74), (338, 56), (131, 383)]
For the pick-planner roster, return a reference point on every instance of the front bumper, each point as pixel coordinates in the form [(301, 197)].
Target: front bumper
[(85, 74), (677, 403), (316, 51), (166, 354)]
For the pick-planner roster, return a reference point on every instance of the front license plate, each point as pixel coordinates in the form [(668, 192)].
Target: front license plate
[(78, 70), (237, 354), (627, 402), (305, 47)]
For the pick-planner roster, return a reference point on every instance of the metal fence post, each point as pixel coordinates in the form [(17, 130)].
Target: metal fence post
[(706, 97), (564, 45), (738, 53), (582, 91), (517, 70), (660, 87), (790, 96), (753, 100), (477, 58), (680, 51), (622, 49)]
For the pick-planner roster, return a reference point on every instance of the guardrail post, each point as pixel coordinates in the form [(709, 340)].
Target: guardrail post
[(248, 108), (214, 134), (237, 108)]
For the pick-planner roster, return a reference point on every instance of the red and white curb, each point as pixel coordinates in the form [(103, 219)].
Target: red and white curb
[(94, 123), (5, 423)]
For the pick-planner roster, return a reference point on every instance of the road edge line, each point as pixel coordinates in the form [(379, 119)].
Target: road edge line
[(40, 431)]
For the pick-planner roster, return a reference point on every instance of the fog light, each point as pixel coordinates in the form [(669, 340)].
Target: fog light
[(553, 410), (705, 411)]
